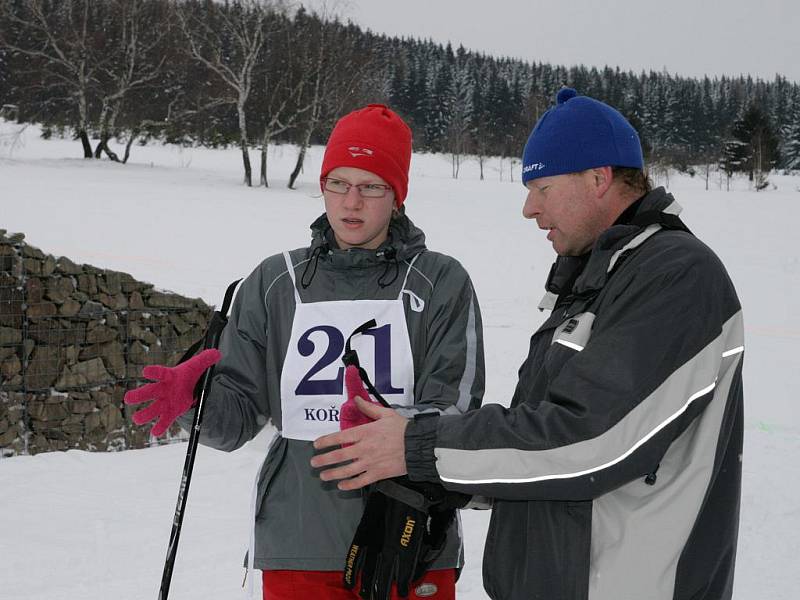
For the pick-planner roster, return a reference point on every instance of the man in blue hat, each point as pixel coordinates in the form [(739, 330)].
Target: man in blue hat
[(616, 472)]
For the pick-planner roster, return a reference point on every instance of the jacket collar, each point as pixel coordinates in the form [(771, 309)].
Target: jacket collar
[(587, 274), (404, 242)]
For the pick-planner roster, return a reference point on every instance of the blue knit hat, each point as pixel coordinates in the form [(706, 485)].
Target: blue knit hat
[(579, 133)]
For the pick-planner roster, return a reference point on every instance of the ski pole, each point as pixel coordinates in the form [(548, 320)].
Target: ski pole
[(211, 340)]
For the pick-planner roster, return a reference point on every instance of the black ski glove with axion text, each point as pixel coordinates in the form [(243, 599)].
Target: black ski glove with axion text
[(402, 531), (404, 525)]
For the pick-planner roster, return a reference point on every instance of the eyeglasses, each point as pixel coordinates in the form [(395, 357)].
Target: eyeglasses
[(365, 190)]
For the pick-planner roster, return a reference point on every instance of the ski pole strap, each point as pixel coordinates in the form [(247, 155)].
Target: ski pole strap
[(219, 318), (350, 357), (210, 339), (404, 494)]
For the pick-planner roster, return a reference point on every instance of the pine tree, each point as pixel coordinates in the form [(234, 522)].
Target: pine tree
[(752, 147), (790, 149)]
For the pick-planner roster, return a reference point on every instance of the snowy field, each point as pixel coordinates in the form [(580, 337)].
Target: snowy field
[(83, 526)]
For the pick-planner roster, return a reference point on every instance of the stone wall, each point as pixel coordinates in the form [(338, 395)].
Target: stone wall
[(73, 340)]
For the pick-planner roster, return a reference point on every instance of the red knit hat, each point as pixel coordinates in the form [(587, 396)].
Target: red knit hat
[(376, 139)]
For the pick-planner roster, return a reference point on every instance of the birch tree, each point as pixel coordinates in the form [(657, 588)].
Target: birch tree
[(58, 41), (137, 30), (228, 41), (336, 71)]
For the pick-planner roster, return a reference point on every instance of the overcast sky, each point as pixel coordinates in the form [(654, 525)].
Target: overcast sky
[(687, 37)]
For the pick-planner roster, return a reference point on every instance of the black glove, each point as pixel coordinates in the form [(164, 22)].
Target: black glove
[(402, 531)]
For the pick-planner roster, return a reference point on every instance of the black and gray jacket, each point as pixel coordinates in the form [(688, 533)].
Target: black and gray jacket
[(616, 472), (301, 522)]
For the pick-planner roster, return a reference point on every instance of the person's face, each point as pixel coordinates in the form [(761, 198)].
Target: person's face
[(568, 207), (358, 222)]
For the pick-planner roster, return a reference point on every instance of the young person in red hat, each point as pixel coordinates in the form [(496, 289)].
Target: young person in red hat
[(280, 357)]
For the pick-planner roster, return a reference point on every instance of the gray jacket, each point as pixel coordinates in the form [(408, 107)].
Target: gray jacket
[(616, 472), (303, 523)]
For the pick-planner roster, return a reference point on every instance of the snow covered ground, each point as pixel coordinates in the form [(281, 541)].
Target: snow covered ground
[(82, 526)]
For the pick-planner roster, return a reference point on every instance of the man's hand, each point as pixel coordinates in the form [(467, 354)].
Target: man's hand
[(376, 450)]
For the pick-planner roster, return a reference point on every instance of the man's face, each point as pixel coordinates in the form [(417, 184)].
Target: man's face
[(568, 207), (358, 222)]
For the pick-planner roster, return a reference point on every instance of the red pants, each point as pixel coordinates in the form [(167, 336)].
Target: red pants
[(327, 585)]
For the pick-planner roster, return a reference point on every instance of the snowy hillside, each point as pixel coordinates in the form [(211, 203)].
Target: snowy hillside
[(80, 526)]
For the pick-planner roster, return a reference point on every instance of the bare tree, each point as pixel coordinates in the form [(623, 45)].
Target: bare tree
[(61, 41), (137, 30), (14, 138), (228, 40), (178, 110), (284, 82), (333, 79), (457, 135)]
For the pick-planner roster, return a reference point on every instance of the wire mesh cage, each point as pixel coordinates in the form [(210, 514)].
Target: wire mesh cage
[(73, 339)]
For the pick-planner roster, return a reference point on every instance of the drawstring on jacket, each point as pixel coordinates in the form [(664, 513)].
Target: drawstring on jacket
[(315, 254), (391, 259), (390, 254)]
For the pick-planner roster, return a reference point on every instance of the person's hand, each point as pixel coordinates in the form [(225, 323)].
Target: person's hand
[(373, 451), (173, 390)]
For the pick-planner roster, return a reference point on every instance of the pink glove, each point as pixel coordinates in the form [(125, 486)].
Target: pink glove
[(350, 415), (172, 392)]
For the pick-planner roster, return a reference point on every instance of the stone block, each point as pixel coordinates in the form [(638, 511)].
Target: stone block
[(72, 431), (83, 373), (111, 417), (179, 324), (69, 308), (32, 266), (137, 332), (92, 421), (91, 309), (8, 437), (82, 406), (43, 370), (41, 411), (113, 355), (197, 317), (100, 334), (34, 290), (10, 367), (48, 265), (67, 267), (103, 397), (10, 262), (57, 333), (41, 310), (167, 300), (11, 302), (10, 336), (136, 301), (59, 289), (135, 286), (110, 282), (31, 252), (87, 283)]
